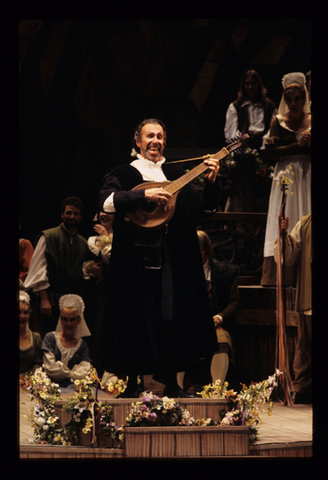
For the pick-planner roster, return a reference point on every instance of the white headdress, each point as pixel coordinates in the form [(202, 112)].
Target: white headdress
[(24, 297), (74, 301), (294, 78)]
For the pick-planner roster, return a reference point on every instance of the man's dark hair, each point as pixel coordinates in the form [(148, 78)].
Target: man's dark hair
[(137, 133), (72, 201)]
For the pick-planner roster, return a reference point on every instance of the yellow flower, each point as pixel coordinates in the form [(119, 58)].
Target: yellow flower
[(88, 426)]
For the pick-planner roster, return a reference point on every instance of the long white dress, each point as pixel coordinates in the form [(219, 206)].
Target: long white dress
[(299, 203)]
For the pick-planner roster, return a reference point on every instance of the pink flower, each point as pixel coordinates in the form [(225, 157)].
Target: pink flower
[(152, 417)]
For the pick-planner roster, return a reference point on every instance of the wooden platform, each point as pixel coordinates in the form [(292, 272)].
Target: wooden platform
[(286, 433)]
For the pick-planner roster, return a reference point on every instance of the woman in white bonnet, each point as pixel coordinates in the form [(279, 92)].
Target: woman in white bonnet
[(30, 355), (65, 354), (289, 143)]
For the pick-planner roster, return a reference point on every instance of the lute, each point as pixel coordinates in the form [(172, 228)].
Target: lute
[(150, 214)]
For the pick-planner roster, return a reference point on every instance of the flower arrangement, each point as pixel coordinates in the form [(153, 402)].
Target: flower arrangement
[(80, 408), (250, 402), (217, 390), (105, 421), (115, 388), (283, 180), (204, 422), (262, 169), (86, 411), (84, 407), (43, 416), (153, 411)]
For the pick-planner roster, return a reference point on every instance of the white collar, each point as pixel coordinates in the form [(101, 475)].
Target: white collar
[(148, 163), (148, 169)]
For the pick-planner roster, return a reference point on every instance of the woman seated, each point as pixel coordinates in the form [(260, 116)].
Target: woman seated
[(30, 355), (65, 354)]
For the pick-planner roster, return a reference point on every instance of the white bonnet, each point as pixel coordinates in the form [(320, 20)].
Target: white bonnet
[(74, 301), (294, 77), (24, 297), (291, 78)]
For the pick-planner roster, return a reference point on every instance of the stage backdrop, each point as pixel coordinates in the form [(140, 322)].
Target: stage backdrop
[(85, 84)]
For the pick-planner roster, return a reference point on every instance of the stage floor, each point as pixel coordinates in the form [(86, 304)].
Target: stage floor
[(288, 432)]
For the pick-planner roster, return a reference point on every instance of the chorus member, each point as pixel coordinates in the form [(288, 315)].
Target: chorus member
[(65, 353), (56, 265), (222, 286), (30, 355), (251, 113), (289, 144), (298, 251)]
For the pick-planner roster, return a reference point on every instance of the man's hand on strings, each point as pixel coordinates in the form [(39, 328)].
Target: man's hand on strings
[(158, 195), (213, 167)]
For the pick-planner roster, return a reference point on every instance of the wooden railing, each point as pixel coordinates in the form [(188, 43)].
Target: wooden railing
[(238, 238)]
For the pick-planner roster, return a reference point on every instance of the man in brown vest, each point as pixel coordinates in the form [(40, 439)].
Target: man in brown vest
[(298, 250)]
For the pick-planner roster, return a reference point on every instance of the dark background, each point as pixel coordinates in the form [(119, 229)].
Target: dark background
[(85, 84)]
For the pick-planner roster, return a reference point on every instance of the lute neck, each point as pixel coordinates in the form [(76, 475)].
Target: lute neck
[(188, 177)]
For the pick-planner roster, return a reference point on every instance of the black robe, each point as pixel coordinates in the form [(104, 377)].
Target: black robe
[(156, 320)]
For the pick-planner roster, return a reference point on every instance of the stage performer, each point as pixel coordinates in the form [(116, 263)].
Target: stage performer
[(65, 353), (30, 356), (252, 112), (289, 142), (221, 278), (298, 250), (56, 265), (158, 315)]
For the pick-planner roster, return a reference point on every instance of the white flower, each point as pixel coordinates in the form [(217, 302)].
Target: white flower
[(40, 421), (225, 421), (79, 408), (52, 420), (37, 410), (133, 153), (77, 417), (168, 403)]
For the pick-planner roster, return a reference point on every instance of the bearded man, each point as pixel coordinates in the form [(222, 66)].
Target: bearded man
[(56, 264)]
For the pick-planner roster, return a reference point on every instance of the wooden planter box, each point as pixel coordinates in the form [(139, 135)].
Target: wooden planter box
[(198, 408), (83, 439), (104, 440), (186, 441)]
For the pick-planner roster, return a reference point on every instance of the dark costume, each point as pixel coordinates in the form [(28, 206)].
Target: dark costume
[(30, 357), (64, 254), (243, 121), (157, 319), (224, 297)]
